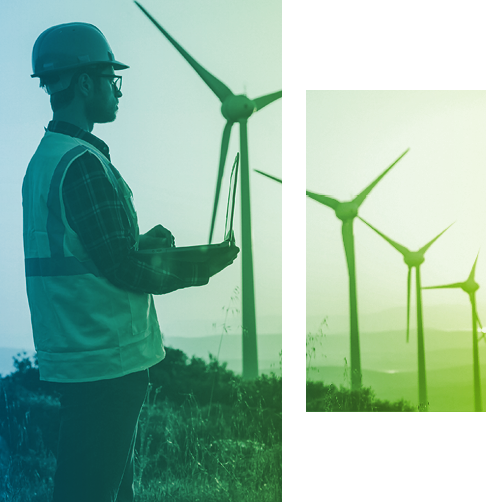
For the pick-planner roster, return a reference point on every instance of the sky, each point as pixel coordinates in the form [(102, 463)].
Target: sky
[(165, 141), (352, 137)]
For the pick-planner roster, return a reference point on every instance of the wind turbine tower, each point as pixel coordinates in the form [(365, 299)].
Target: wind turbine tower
[(235, 108), (414, 259), (346, 212), (470, 286)]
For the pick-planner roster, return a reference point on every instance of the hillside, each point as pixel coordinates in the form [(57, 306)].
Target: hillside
[(389, 366), (269, 348)]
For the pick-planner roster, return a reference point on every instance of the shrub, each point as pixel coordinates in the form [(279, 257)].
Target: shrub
[(205, 434), (320, 397), (177, 376)]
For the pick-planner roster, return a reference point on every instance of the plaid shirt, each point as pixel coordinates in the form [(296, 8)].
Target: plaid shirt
[(98, 216)]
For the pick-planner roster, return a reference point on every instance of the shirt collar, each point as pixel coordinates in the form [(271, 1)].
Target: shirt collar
[(76, 132)]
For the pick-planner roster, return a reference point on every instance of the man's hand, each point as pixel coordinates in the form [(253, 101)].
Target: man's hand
[(222, 260), (157, 237)]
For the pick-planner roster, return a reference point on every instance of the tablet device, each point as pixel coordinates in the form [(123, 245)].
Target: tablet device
[(201, 252)]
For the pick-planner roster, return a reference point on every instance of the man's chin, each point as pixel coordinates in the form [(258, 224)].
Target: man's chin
[(106, 119)]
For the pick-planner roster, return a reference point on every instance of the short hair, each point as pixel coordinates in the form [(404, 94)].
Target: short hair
[(62, 99)]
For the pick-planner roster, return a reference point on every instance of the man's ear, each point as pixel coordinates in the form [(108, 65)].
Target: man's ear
[(84, 84)]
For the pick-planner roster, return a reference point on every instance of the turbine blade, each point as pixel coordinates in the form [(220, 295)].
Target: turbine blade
[(268, 175), (409, 283), (455, 285), (361, 197), (424, 248), (263, 101), (398, 247), (348, 241), (323, 199), (473, 270), (222, 160), (221, 90)]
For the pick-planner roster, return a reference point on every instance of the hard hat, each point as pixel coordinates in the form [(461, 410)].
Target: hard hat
[(65, 48)]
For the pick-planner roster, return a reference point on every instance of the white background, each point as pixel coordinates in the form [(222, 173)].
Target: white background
[(345, 45), (374, 45)]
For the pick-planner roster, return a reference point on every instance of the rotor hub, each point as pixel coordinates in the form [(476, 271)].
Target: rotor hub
[(414, 259), (238, 107), (347, 211), (470, 286)]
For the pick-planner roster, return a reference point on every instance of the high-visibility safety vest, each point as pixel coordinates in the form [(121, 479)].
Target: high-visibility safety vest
[(85, 328)]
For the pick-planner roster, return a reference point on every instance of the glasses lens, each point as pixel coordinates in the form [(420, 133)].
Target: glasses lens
[(117, 82)]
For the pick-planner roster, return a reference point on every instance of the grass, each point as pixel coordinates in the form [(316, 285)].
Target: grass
[(188, 454), (449, 389), (321, 397), (389, 365), (190, 449)]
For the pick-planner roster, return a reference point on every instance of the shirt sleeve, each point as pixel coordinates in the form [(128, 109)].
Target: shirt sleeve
[(96, 213)]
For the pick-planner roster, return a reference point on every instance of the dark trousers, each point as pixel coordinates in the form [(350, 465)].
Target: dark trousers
[(95, 461)]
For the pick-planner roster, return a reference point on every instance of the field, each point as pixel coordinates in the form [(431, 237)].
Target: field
[(207, 437), (389, 366)]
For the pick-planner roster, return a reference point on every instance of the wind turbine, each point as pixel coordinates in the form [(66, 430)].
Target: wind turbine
[(235, 108), (470, 286), (414, 259), (346, 212)]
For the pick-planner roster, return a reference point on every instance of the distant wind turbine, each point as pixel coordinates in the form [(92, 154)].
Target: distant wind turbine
[(414, 259), (235, 108), (346, 212), (470, 286)]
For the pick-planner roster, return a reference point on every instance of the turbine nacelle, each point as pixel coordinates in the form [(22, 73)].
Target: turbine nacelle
[(414, 258), (346, 211), (470, 286), (239, 107)]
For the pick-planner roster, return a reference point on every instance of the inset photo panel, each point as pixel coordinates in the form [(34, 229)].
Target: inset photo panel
[(141, 265), (395, 224)]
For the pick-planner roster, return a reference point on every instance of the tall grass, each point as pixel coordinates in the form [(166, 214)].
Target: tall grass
[(321, 397), (187, 456), (187, 449), (27, 465)]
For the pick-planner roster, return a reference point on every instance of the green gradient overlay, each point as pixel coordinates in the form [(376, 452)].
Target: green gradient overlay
[(234, 109), (470, 286), (166, 142), (346, 212), (348, 132)]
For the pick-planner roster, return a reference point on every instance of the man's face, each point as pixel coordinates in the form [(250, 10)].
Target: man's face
[(103, 103)]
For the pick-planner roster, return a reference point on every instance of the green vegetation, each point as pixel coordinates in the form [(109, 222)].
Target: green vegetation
[(205, 435), (320, 397)]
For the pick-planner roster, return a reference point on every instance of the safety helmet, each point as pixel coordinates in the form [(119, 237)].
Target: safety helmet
[(61, 50)]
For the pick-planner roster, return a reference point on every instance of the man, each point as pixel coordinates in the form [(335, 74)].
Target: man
[(90, 294)]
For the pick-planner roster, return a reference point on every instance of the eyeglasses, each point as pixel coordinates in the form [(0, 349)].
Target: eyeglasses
[(116, 80)]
